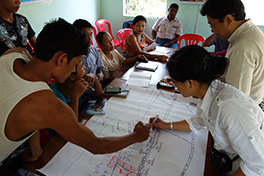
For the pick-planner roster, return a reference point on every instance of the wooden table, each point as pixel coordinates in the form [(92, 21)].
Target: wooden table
[(57, 142)]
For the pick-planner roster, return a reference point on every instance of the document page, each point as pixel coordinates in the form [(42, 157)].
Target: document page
[(139, 79)]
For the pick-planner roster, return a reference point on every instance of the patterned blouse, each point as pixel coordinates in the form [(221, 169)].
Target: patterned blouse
[(15, 34), (128, 50)]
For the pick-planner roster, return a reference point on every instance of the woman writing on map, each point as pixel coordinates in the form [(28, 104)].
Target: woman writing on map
[(233, 119)]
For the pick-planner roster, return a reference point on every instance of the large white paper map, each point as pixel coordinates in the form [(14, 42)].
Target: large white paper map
[(168, 153)]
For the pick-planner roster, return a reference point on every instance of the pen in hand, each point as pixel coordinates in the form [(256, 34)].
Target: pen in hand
[(157, 116), (91, 88)]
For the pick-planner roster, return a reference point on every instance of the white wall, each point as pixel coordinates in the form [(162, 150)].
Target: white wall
[(40, 13)]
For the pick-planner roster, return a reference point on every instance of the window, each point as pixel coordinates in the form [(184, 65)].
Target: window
[(254, 10), (147, 8)]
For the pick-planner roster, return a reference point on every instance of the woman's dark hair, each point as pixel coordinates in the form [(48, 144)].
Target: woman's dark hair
[(99, 37), (139, 18), (194, 62), (218, 9), (59, 35)]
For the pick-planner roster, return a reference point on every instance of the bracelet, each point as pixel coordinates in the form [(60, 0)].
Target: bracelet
[(171, 126)]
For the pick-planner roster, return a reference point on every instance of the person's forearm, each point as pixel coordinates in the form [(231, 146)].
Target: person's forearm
[(174, 40), (112, 144), (130, 60), (179, 126), (103, 145), (74, 102), (208, 40), (98, 89), (154, 34)]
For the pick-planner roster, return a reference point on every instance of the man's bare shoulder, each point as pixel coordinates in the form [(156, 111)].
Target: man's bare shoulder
[(40, 107)]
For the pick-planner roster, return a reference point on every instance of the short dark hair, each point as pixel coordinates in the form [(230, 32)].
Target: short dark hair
[(218, 9), (60, 36), (99, 37), (194, 62), (174, 5), (139, 18), (81, 23)]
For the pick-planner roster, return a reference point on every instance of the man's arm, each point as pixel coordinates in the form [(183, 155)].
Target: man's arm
[(43, 109), (72, 131), (174, 40), (33, 41), (208, 40), (154, 34)]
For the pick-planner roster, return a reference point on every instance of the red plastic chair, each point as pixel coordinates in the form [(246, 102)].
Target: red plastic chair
[(190, 39), (122, 33), (100, 24), (95, 33)]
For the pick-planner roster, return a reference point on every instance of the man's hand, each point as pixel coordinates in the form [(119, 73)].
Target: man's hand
[(166, 45), (151, 47), (142, 58), (100, 77), (142, 131), (90, 78), (79, 88)]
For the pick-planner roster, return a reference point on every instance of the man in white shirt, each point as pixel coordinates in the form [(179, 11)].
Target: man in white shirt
[(168, 29), (245, 52)]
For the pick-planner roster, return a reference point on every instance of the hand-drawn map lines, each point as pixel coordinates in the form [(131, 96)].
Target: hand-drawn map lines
[(153, 139), (140, 168)]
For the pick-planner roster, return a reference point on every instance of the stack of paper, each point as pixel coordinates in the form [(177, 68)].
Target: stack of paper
[(139, 79)]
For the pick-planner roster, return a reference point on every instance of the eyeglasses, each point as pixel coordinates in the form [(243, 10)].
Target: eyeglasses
[(212, 25)]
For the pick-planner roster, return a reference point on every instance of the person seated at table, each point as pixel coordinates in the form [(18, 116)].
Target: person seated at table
[(168, 29), (233, 119), (72, 90), (136, 42), (15, 28), (27, 103), (112, 59), (92, 60), (217, 41)]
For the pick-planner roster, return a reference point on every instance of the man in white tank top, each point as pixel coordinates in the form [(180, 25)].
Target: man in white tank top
[(27, 104)]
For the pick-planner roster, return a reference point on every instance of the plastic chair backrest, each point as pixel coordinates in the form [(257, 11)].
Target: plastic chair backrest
[(100, 24), (190, 39), (122, 33), (94, 33)]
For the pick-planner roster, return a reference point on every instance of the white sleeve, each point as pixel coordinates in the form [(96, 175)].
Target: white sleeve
[(243, 129), (196, 123), (156, 24)]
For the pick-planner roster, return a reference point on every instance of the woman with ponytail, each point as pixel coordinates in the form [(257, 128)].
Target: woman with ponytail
[(233, 119)]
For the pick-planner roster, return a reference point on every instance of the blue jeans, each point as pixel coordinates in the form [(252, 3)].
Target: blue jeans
[(161, 42)]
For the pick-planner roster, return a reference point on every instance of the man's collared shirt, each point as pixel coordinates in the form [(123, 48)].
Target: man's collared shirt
[(92, 60), (246, 55), (168, 29)]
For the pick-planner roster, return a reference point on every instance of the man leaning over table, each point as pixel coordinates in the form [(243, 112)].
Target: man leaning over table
[(168, 29), (27, 103), (245, 52)]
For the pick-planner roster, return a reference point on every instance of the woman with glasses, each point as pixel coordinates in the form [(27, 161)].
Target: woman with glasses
[(233, 119)]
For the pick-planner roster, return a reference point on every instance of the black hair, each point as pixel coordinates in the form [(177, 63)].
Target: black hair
[(99, 37), (218, 9), (60, 36), (81, 23), (139, 18), (174, 5), (194, 62)]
